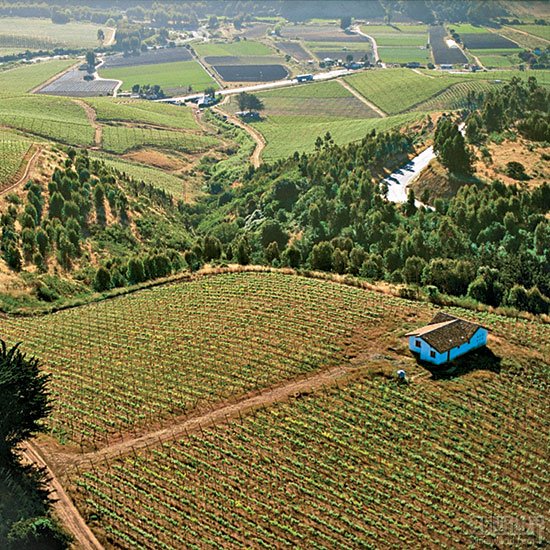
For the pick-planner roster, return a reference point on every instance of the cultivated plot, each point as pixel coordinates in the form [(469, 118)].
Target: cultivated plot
[(400, 43), (320, 33), (150, 57), (13, 149), (74, 84), (444, 50), (294, 49)]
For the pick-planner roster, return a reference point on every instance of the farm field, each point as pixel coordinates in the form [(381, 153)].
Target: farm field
[(455, 96), (172, 77), (120, 139), (408, 88), (497, 59), (28, 33), (542, 76), (143, 112), (400, 43), (527, 41), (23, 78), (541, 31), (320, 33), (13, 149), (340, 50), (486, 41), (323, 470), (294, 117), (55, 118)]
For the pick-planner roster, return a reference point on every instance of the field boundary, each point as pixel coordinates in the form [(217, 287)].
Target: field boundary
[(34, 151), (361, 98), (63, 506), (92, 119)]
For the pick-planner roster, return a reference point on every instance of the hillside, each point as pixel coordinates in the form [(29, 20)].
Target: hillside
[(313, 393)]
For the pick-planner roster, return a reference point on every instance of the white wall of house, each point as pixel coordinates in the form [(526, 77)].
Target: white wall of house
[(429, 354)]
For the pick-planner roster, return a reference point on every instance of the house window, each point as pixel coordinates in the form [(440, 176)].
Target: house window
[(432, 354), (418, 344)]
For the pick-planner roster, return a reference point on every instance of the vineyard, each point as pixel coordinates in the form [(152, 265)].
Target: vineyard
[(143, 112), (129, 363), (357, 463), (33, 33), (455, 97), (56, 118), (12, 151), (368, 464), (397, 90)]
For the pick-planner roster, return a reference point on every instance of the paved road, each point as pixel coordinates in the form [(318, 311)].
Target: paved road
[(259, 87), (401, 178), (399, 181)]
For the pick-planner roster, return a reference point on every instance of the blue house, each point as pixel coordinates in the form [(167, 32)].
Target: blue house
[(445, 338)]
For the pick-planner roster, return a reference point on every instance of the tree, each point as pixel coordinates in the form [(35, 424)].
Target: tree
[(249, 102), (450, 146), (210, 91), (102, 280), (25, 398), (272, 252), (345, 22), (213, 22), (135, 272), (243, 251), (100, 35), (90, 60), (321, 256)]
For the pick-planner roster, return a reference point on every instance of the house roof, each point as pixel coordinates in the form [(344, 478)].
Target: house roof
[(445, 332)]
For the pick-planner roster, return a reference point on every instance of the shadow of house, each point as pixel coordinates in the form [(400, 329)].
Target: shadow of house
[(482, 359)]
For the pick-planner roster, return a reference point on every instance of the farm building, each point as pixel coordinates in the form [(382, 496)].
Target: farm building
[(445, 338)]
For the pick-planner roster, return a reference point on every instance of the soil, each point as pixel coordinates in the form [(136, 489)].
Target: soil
[(519, 151), (158, 159), (92, 119)]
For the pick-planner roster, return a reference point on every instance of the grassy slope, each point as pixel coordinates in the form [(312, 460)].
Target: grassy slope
[(118, 139), (542, 31), (23, 78), (345, 464), (175, 75), (140, 111)]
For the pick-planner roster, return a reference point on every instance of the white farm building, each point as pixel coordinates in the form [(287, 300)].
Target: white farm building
[(445, 338)]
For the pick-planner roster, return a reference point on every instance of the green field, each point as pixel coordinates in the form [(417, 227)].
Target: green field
[(400, 44), (295, 116), (23, 78), (175, 76), (542, 76), (119, 139), (497, 59), (467, 28), (33, 34), (541, 31), (56, 118), (237, 49), (527, 41), (13, 148), (397, 90), (454, 97), (143, 112)]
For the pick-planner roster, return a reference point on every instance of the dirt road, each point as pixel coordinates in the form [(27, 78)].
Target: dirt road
[(256, 157), (34, 151), (92, 119), (362, 99), (358, 30), (63, 506)]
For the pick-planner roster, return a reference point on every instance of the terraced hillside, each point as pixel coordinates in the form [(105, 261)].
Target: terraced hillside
[(336, 454)]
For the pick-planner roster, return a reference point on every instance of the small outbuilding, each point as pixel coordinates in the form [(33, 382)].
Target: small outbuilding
[(445, 338)]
